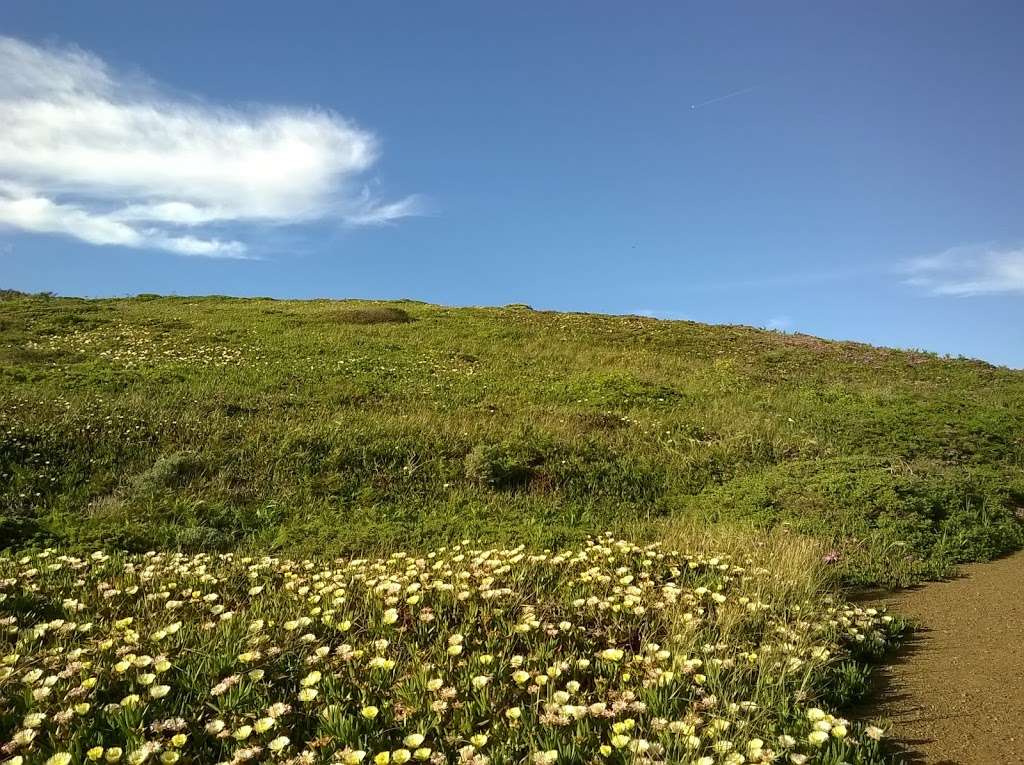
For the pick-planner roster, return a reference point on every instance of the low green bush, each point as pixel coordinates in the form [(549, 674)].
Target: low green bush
[(371, 316)]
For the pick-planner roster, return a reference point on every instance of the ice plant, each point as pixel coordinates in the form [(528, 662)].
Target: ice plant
[(607, 652)]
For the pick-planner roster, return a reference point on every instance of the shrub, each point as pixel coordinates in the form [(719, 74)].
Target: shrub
[(601, 421), (8, 294), (502, 466), (890, 523), (169, 471), (373, 315)]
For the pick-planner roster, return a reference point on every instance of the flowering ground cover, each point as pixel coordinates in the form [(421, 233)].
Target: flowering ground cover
[(603, 652)]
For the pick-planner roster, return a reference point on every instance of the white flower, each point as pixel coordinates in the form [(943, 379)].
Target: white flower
[(214, 727), (817, 737)]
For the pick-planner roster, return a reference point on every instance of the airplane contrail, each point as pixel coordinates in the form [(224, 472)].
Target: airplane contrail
[(735, 93)]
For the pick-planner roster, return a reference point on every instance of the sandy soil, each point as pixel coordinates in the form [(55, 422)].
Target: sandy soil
[(955, 693)]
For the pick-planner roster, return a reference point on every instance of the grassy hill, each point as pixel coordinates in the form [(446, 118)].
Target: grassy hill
[(353, 427)]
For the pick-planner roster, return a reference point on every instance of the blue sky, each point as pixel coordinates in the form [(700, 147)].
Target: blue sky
[(864, 183)]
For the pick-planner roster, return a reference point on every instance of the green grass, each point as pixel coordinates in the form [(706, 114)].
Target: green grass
[(353, 427)]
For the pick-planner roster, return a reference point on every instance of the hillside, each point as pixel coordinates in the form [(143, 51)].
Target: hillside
[(351, 427)]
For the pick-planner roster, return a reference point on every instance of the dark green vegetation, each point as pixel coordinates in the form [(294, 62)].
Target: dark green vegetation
[(322, 427)]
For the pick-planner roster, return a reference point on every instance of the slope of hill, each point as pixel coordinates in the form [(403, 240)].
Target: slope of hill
[(324, 426)]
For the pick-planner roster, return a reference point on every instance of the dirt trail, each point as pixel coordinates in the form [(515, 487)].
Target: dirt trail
[(955, 694)]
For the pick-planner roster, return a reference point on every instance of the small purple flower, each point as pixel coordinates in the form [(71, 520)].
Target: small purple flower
[(832, 556)]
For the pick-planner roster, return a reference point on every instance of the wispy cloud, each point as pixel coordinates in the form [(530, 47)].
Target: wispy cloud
[(971, 270), (724, 97), (112, 159), (779, 323)]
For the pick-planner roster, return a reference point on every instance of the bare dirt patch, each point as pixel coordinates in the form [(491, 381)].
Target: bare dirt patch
[(955, 694)]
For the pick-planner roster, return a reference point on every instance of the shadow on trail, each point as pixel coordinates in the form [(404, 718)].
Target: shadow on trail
[(887, 692), (950, 694)]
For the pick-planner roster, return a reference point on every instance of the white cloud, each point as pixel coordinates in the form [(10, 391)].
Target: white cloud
[(43, 216), (110, 159), (973, 270)]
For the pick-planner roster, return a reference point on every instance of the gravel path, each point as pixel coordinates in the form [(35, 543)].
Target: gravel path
[(955, 694)]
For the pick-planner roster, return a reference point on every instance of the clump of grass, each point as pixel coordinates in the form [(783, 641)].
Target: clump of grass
[(608, 651), (170, 471), (797, 569), (371, 315), (799, 574), (502, 466)]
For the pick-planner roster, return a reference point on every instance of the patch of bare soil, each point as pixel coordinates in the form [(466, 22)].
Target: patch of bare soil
[(955, 693)]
